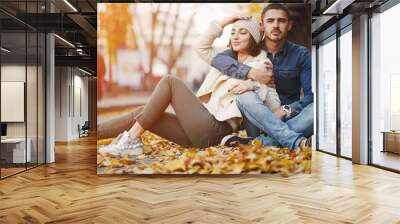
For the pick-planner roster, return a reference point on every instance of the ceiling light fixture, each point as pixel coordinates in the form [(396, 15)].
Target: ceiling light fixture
[(65, 41), (70, 5), (5, 50), (79, 51), (337, 7), (84, 71)]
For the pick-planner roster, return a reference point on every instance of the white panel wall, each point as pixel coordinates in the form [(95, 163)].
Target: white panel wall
[(61, 103), (71, 93), (14, 73), (12, 101)]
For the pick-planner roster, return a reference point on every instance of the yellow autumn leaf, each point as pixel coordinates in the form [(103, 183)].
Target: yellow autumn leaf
[(162, 156), (177, 165)]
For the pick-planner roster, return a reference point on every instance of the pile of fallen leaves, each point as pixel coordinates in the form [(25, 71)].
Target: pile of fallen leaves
[(164, 157)]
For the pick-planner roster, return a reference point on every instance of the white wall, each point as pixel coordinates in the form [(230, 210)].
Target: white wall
[(71, 93), (33, 126), (61, 103), (16, 73), (80, 96)]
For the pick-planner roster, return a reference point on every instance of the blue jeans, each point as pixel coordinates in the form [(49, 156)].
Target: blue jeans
[(276, 132)]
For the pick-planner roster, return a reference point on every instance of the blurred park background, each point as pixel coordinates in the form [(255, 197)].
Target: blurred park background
[(138, 43)]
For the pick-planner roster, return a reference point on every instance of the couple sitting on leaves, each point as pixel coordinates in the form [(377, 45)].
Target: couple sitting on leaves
[(236, 93)]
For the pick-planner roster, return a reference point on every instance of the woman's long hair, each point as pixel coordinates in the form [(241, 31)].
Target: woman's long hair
[(252, 47)]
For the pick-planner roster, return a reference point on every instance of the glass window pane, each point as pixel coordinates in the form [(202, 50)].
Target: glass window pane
[(385, 84), (13, 84), (23, 84), (327, 96), (346, 94)]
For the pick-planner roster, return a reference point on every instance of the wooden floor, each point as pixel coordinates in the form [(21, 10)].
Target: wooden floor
[(5, 172), (10, 171), (69, 191)]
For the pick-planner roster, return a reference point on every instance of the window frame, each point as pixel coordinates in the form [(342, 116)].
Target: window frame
[(333, 37)]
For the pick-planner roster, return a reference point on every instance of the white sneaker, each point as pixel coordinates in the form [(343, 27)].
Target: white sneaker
[(123, 145), (121, 139)]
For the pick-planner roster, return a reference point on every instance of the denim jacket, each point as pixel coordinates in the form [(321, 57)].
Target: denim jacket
[(291, 70), (215, 93)]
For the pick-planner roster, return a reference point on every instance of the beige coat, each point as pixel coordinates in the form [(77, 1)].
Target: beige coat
[(214, 91)]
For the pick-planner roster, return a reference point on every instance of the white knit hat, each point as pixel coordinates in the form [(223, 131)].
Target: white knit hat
[(251, 25)]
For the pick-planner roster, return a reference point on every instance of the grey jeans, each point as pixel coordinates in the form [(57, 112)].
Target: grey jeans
[(191, 125)]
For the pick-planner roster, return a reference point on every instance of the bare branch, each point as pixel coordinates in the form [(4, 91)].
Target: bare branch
[(154, 16), (164, 26), (162, 59), (182, 45), (139, 22), (171, 43)]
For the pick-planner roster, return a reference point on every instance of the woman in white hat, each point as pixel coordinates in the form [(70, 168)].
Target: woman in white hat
[(200, 120)]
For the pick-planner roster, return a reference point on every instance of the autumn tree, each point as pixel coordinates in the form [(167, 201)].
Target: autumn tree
[(171, 18), (116, 21)]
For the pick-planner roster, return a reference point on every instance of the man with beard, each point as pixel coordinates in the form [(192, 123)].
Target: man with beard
[(291, 124)]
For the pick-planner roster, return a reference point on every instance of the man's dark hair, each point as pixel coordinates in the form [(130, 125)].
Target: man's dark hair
[(276, 6)]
